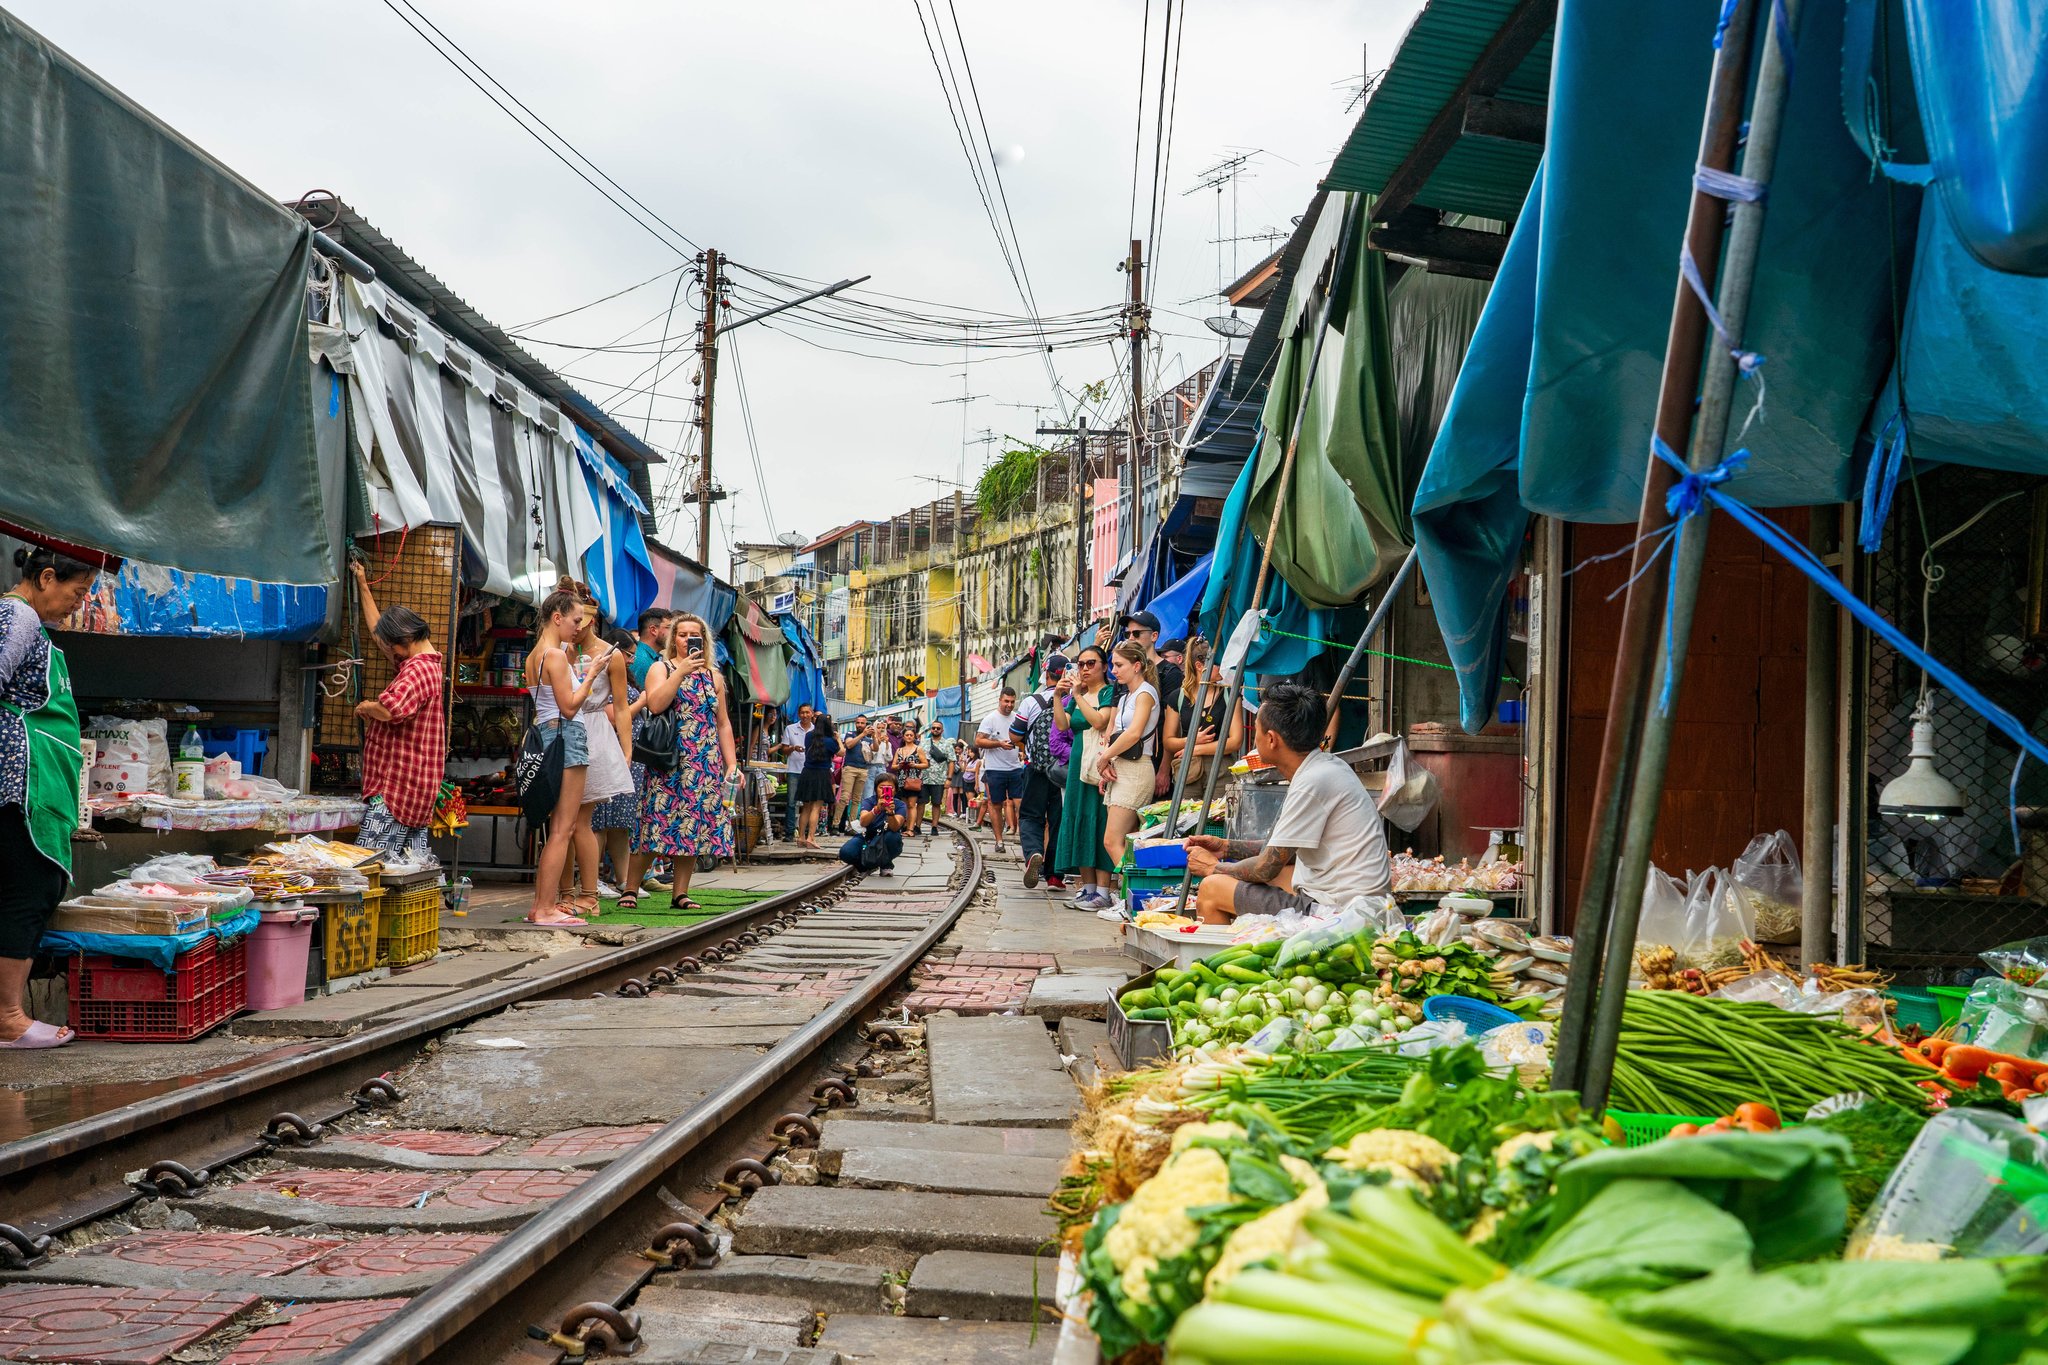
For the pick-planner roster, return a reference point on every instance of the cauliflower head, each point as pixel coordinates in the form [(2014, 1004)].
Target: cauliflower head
[(1269, 1235), (1215, 1132), (1409, 1157), (1154, 1225)]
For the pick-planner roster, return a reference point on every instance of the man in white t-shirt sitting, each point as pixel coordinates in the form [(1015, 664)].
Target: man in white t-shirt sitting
[(1002, 764), (1327, 847)]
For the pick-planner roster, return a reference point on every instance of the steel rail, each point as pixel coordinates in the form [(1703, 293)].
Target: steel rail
[(487, 1281), (97, 1151)]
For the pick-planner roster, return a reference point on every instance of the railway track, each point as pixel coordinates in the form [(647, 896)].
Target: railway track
[(564, 1150)]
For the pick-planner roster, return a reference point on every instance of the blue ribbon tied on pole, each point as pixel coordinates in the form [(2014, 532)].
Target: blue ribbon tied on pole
[(1697, 490)]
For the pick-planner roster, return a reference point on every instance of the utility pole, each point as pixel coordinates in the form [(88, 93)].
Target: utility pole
[(1080, 467), (708, 377), (960, 605), (1139, 325)]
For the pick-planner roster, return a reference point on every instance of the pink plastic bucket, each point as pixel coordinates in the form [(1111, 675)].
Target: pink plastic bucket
[(278, 949)]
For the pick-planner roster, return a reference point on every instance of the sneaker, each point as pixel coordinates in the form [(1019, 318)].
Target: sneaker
[(885, 871), (1110, 913), (1031, 869), (1055, 883), (656, 884)]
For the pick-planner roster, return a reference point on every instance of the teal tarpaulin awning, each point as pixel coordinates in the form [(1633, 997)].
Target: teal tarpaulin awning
[(154, 368), (1558, 394), (1295, 631)]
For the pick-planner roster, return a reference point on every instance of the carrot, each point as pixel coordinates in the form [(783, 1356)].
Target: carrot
[(1965, 1063), (2007, 1075), (1934, 1048), (1765, 1117)]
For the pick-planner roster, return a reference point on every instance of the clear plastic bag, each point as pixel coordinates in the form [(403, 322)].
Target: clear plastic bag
[(2005, 1017), (1320, 936), (1411, 791), (1974, 1184), (1381, 913), (1522, 1050), (2023, 963), (1275, 1035), (1662, 921), (173, 867), (1768, 882), (1715, 926)]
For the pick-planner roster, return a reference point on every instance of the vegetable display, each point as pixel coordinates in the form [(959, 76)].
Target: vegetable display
[(1350, 993), (1680, 1054)]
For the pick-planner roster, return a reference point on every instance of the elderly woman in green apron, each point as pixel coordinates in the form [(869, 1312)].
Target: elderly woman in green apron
[(39, 766)]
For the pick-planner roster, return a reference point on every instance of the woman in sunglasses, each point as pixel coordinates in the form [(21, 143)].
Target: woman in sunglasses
[(1083, 702)]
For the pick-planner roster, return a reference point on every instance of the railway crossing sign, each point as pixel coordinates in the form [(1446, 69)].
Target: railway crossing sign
[(910, 686)]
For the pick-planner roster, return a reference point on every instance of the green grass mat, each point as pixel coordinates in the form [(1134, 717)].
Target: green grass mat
[(658, 911)]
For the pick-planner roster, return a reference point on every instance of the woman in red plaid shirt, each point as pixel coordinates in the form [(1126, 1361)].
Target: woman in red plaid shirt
[(405, 734)]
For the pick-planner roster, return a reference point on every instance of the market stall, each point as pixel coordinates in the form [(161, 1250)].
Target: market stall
[(1335, 1141)]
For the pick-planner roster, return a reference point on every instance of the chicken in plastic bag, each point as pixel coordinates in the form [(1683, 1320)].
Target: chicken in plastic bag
[(1973, 1185), (1768, 882), (2004, 1017)]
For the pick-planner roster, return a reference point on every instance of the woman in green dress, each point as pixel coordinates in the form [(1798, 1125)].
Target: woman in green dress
[(1083, 703), (40, 759)]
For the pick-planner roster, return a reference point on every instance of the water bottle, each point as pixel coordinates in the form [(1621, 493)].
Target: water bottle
[(193, 747)]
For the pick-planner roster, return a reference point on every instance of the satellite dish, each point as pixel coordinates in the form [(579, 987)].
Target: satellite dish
[(1228, 325)]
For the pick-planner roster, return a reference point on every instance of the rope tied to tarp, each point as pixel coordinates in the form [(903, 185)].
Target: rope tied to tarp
[(1704, 491), (1881, 481), (1748, 364), (1781, 26)]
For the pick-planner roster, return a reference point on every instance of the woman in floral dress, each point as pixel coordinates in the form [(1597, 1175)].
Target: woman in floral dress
[(683, 812)]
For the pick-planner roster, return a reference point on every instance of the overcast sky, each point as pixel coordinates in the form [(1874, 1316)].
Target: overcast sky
[(806, 138)]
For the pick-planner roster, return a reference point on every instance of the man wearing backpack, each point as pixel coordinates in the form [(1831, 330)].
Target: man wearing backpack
[(1046, 750)]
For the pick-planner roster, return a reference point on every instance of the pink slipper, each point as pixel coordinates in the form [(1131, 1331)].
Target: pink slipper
[(40, 1034), (567, 921)]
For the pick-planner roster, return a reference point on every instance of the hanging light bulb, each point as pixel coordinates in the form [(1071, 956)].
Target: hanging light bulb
[(1921, 793)]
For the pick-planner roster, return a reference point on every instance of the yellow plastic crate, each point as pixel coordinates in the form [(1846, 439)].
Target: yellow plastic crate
[(409, 925), (351, 935)]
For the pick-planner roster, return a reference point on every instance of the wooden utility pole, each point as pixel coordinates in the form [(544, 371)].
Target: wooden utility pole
[(1140, 324), (708, 384)]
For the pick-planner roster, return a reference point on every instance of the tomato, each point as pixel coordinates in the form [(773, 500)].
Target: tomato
[(1685, 1130)]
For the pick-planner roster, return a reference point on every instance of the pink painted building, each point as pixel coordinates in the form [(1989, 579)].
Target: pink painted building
[(1102, 548)]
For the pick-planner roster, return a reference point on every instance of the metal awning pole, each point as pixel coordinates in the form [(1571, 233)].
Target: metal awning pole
[(1635, 653), (1366, 636), (1710, 433), (1187, 753)]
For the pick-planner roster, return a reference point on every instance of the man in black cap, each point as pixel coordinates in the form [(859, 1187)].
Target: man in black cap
[(1045, 775), (1144, 628)]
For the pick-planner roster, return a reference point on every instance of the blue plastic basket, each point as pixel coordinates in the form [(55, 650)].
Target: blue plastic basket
[(1476, 1015)]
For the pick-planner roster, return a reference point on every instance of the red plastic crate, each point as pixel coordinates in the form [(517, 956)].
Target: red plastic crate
[(120, 1000)]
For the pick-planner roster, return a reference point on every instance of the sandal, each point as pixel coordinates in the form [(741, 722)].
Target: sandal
[(629, 901), (41, 1035), (566, 922), (685, 904)]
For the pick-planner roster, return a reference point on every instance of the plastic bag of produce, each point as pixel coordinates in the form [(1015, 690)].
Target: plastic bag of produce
[(1382, 914), (2024, 962), (1321, 936), (1662, 921), (1715, 925), (1411, 791), (2004, 1017), (1522, 1050), (1973, 1185), (1767, 880)]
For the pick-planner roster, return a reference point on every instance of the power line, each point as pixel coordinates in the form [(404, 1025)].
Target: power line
[(1138, 130), (616, 294), (753, 447), (393, 6)]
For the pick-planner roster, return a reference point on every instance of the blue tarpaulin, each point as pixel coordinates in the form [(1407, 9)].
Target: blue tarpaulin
[(616, 566), (1578, 334), (1178, 602), (806, 677), (158, 950), (145, 599)]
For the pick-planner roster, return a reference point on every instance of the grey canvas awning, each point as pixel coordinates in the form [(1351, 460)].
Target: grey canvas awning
[(154, 371)]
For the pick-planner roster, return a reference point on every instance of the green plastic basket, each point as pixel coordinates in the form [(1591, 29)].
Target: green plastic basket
[(1917, 1007), (1950, 1001), (1640, 1130)]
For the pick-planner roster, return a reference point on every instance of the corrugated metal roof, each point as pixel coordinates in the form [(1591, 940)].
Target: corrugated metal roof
[(1479, 175)]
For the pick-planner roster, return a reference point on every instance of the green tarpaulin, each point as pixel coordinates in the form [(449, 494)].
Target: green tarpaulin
[(154, 369), (760, 654), (1345, 519)]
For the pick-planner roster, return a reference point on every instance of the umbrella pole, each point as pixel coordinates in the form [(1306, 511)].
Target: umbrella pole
[(1717, 398), (1365, 637), (1603, 894)]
